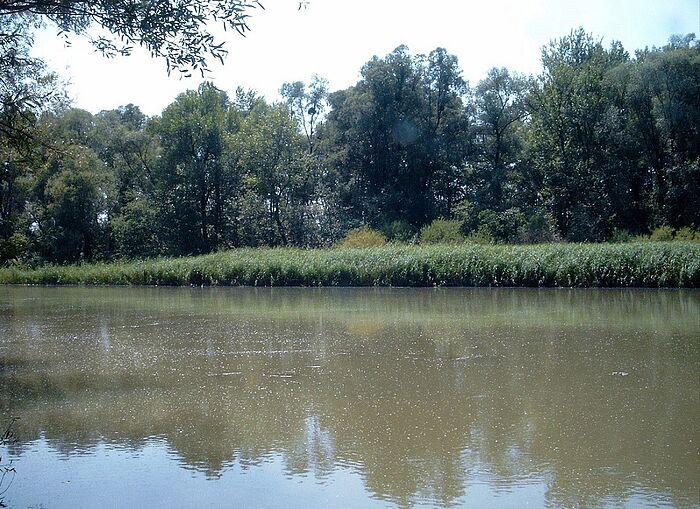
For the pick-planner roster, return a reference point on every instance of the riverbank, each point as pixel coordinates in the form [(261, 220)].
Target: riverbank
[(640, 264)]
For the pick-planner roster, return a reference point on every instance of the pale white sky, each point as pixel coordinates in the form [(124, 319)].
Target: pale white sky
[(334, 38)]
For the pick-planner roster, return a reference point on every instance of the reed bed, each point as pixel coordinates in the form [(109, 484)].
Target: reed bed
[(638, 264)]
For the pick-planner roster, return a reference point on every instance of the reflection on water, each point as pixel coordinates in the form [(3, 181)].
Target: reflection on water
[(352, 397)]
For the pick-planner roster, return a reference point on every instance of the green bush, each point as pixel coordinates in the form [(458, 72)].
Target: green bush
[(662, 233), (506, 226), (135, 230), (364, 236), (538, 228), (480, 237), (687, 234), (442, 231), (13, 248)]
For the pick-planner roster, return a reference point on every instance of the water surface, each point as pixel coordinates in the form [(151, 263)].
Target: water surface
[(161, 397)]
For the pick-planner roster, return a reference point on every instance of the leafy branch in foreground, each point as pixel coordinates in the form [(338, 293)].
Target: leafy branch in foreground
[(176, 30)]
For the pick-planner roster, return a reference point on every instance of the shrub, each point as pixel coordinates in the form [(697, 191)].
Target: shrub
[(503, 226), (136, 229), (364, 236), (14, 248), (687, 234), (662, 233), (480, 237), (442, 231)]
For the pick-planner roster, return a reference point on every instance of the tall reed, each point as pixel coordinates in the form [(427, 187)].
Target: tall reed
[(641, 264)]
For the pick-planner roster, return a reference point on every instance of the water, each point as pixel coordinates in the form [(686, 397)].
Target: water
[(160, 397)]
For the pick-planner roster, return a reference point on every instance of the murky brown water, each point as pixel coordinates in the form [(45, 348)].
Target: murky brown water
[(351, 397)]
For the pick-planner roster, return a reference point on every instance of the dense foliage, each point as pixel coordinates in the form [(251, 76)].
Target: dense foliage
[(642, 264), (600, 146)]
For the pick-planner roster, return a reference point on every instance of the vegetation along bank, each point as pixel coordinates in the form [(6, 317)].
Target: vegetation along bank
[(636, 264)]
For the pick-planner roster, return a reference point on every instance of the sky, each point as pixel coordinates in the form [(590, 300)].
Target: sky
[(334, 38)]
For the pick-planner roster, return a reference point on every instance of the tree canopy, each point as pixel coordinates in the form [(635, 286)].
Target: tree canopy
[(602, 145)]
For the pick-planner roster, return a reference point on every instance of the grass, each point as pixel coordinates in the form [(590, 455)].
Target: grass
[(640, 264)]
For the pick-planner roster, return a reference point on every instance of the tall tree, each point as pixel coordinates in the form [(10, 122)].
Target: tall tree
[(500, 109), (72, 201), (196, 179), (572, 134), (131, 154), (448, 132), (306, 105), (27, 89), (278, 176), (663, 96), (398, 137)]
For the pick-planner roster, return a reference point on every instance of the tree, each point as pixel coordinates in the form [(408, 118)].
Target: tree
[(399, 138), (131, 154), (500, 109), (278, 176), (573, 136), (196, 179), (663, 97), (121, 141), (306, 105), (173, 29), (448, 138), (27, 90), (26, 87), (72, 199)]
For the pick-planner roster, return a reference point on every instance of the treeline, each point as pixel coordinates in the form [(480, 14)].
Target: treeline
[(601, 145)]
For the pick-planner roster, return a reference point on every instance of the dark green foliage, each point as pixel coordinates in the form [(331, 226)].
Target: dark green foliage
[(499, 102), (538, 228), (74, 203), (279, 178), (399, 231), (136, 230), (682, 203), (398, 138), (574, 136), (196, 180)]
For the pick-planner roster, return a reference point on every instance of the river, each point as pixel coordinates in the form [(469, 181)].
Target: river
[(298, 397)]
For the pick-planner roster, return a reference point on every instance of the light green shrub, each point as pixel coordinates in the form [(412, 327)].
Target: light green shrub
[(687, 234), (364, 236), (442, 231), (662, 233)]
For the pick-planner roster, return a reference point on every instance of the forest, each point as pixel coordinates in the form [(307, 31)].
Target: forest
[(601, 146)]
